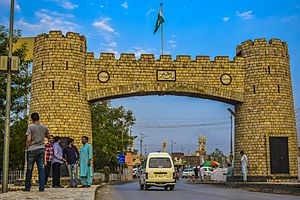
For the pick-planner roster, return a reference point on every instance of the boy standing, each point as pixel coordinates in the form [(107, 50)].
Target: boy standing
[(71, 156)]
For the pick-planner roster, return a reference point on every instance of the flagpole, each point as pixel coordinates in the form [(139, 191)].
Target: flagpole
[(162, 34)]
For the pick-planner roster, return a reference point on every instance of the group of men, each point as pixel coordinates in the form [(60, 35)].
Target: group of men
[(51, 155)]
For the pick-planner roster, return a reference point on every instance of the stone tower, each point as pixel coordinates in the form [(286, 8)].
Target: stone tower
[(58, 90), (268, 107)]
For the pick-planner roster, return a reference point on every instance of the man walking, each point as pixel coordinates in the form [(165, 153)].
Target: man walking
[(57, 160), (35, 148), (106, 173), (71, 155), (244, 161), (48, 158), (86, 171)]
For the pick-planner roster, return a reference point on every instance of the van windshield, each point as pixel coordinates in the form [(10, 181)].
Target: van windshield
[(160, 163)]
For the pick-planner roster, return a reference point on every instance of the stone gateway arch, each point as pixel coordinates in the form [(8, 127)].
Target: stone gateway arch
[(66, 80)]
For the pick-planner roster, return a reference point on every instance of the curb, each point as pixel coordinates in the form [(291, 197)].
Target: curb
[(288, 189)]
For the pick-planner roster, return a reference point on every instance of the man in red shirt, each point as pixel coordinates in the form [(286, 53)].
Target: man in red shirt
[(48, 157)]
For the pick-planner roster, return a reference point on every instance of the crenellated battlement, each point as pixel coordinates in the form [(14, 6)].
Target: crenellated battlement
[(262, 43), (163, 58), (58, 34)]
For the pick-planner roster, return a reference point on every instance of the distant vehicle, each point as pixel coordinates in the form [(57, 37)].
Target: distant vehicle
[(207, 170), (135, 172), (157, 169), (187, 173)]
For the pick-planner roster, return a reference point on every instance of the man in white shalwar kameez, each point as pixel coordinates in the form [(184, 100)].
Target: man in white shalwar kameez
[(244, 161)]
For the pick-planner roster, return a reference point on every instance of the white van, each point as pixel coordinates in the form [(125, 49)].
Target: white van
[(157, 169)]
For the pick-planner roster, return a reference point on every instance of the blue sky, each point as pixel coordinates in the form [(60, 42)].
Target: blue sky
[(192, 27)]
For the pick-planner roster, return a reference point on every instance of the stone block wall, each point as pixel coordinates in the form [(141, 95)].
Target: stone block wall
[(130, 76), (58, 91), (66, 80)]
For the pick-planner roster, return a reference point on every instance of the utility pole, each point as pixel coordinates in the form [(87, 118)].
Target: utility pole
[(142, 136), (145, 149), (231, 151), (172, 145), (8, 102)]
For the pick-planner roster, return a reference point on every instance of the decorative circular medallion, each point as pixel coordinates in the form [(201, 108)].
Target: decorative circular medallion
[(225, 79), (103, 76)]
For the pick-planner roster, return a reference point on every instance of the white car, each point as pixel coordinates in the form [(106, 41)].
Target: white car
[(187, 173), (135, 172), (207, 170)]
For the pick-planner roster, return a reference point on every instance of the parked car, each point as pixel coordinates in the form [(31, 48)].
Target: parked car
[(157, 169), (187, 173), (207, 170)]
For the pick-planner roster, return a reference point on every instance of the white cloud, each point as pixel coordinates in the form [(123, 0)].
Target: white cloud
[(225, 19), (17, 7), (139, 50), (47, 20), (245, 15), (125, 5), (108, 34), (101, 6), (103, 24), (172, 43), (150, 11), (289, 18), (110, 43), (67, 4)]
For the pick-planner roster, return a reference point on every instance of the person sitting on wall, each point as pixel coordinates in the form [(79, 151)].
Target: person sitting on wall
[(229, 170)]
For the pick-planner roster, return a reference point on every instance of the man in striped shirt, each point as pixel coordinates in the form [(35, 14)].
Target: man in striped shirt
[(48, 157)]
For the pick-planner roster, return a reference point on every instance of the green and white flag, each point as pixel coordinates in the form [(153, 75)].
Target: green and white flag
[(160, 19)]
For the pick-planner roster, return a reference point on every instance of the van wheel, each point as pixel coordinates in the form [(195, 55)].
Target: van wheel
[(172, 188), (166, 187)]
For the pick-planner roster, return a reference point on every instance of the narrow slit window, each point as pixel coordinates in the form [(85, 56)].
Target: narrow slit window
[(67, 65), (42, 65), (254, 91), (269, 70), (52, 85), (78, 87), (278, 88)]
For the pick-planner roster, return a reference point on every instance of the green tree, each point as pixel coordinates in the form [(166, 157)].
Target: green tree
[(111, 133), (20, 88), (17, 147), (217, 155)]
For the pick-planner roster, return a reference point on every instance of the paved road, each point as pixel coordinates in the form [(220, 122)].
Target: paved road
[(184, 191)]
